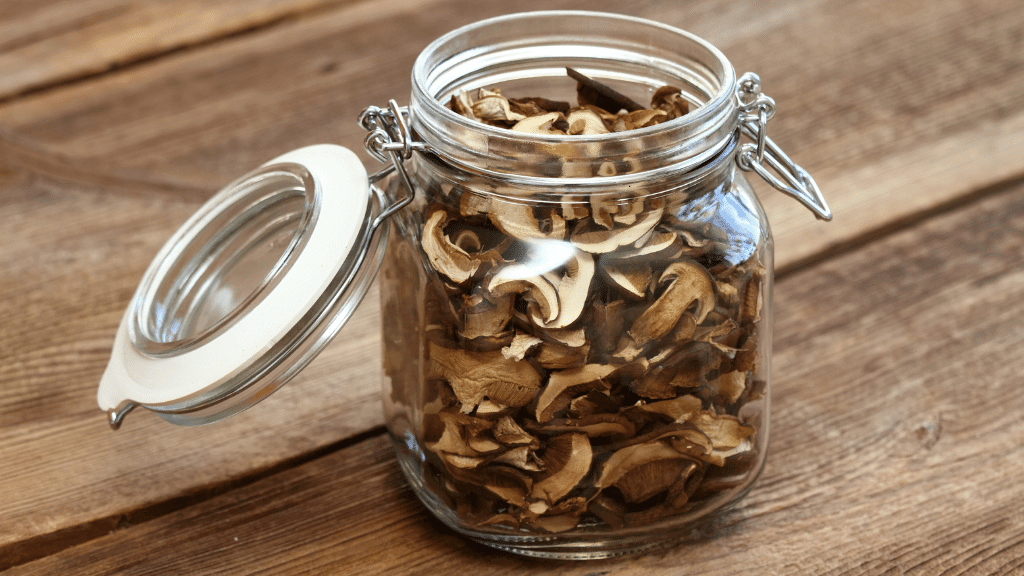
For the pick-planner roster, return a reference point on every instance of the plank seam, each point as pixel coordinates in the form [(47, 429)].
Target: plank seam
[(898, 225), (42, 545), (158, 54)]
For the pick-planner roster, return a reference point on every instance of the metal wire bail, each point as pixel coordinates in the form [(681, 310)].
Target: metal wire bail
[(756, 110), (389, 140)]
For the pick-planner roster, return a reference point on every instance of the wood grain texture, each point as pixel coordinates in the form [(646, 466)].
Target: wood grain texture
[(896, 445), (890, 110), (48, 43), (894, 113), (62, 291)]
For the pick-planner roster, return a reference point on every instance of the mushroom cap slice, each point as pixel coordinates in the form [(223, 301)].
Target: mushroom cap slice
[(587, 122), (518, 221), (521, 457), (594, 426), (730, 386), (571, 337), (643, 470), (461, 104), (670, 99), (495, 108), (565, 385), (725, 432), (485, 315), (509, 433), (689, 283), (556, 356), (573, 290), (639, 119), (598, 241), (445, 257), (523, 279), (656, 246), (630, 278), (567, 460), (539, 124), (521, 344), (476, 375), (465, 436), (603, 207)]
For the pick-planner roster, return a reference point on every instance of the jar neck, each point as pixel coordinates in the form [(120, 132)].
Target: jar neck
[(716, 171), (526, 55)]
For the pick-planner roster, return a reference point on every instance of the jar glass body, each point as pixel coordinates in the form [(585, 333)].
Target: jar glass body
[(576, 330)]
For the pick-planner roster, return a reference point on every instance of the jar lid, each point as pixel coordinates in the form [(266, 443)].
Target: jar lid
[(247, 291)]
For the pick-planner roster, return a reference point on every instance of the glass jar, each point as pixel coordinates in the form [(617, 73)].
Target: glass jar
[(577, 329)]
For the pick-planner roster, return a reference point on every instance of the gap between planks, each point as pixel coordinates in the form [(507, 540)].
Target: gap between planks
[(147, 57), (18, 553), (46, 544), (905, 222)]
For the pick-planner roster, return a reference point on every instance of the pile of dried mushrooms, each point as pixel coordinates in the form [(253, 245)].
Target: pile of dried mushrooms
[(609, 391)]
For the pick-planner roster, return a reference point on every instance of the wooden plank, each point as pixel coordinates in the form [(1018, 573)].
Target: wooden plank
[(48, 43), (116, 163), (890, 111), (896, 445), (63, 289)]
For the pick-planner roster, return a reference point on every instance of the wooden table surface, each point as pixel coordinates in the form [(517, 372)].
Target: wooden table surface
[(897, 442)]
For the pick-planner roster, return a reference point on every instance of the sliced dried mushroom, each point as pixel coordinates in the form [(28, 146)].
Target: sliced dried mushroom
[(476, 375), (556, 356), (463, 436), (670, 99), (595, 426), (543, 125), (522, 279), (631, 278), (509, 433), (521, 344), (573, 289), (639, 119), (565, 385), (566, 461), (730, 386), (445, 257), (689, 283), (519, 221), (657, 246), (599, 241), (485, 315), (571, 337), (521, 457), (586, 122), (538, 105), (679, 409), (643, 470), (461, 104), (494, 107), (604, 207)]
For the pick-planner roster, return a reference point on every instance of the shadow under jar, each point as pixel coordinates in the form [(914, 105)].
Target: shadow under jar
[(577, 329)]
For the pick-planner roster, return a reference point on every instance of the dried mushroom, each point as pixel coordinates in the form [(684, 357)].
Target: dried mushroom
[(446, 257), (689, 284), (476, 375), (591, 360), (566, 460), (644, 470)]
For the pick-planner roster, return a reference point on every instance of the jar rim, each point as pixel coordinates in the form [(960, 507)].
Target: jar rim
[(500, 47)]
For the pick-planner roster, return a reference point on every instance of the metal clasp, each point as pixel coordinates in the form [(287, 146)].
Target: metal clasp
[(756, 110), (389, 139)]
